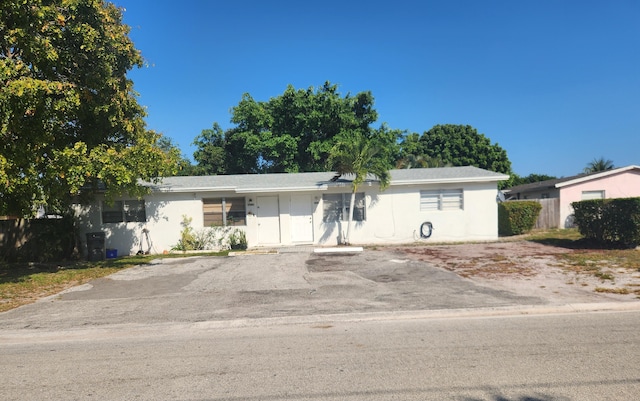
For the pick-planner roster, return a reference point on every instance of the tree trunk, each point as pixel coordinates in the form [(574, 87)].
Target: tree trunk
[(351, 212)]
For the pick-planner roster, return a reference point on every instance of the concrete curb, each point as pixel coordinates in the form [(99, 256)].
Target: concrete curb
[(159, 330), (502, 311)]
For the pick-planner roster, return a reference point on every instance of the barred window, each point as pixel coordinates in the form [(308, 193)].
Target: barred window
[(442, 199), (124, 211), (224, 212), (337, 207)]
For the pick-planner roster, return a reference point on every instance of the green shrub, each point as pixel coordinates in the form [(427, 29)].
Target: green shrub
[(207, 238), (587, 216), (517, 217), (186, 241), (609, 222), (237, 239)]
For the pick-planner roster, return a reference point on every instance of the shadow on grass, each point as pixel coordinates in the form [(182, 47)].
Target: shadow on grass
[(20, 271), (566, 243), (579, 244), (569, 239)]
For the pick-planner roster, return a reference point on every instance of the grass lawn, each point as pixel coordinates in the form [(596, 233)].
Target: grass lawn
[(585, 255)]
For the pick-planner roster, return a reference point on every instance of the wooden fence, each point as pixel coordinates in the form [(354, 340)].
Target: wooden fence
[(549, 215)]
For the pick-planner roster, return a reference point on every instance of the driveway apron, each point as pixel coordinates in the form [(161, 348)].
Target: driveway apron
[(250, 286)]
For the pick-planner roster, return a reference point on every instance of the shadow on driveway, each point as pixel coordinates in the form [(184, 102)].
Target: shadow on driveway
[(261, 286)]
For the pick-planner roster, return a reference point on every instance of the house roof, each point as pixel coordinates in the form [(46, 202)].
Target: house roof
[(566, 181), (319, 181)]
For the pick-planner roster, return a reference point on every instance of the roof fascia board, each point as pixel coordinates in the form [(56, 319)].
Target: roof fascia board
[(286, 189), (596, 176), (194, 189), (449, 181)]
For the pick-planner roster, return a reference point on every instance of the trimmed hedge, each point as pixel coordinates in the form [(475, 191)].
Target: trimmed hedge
[(517, 217), (609, 222)]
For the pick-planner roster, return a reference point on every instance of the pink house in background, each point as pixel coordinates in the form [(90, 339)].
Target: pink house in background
[(623, 182)]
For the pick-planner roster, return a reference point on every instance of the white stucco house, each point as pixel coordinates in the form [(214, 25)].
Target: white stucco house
[(623, 182), (305, 208)]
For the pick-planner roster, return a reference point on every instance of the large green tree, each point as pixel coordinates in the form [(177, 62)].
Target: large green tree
[(210, 155), (69, 118), (292, 132), (457, 145)]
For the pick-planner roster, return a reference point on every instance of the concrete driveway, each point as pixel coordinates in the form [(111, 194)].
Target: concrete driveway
[(294, 282)]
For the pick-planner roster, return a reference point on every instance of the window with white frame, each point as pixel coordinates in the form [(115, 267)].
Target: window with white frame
[(224, 212), (441, 199), (336, 207), (124, 211), (588, 195)]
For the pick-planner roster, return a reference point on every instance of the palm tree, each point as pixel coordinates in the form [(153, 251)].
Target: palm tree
[(598, 165), (359, 155)]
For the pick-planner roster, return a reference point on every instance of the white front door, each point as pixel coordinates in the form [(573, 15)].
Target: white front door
[(301, 218), (268, 220)]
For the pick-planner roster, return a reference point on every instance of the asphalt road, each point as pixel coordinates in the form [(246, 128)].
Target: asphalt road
[(299, 326), (569, 357)]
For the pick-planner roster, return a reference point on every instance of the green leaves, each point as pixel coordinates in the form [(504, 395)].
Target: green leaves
[(288, 133), (598, 165), (68, 113), (456, 145), (359, 155), (210, 155)]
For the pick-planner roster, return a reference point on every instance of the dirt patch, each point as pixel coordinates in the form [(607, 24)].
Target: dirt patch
[(536, 269)]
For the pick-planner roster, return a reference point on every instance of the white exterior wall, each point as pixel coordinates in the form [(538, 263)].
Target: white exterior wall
[(164, 217), (392, 216)]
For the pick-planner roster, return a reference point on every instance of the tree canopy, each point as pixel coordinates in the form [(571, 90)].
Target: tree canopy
[(458, 145), (69, 118), (293, 132), (211, 154), (530, 179), (297, 131)]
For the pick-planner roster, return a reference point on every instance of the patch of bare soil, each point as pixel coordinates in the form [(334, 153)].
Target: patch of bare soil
[(532, 269)]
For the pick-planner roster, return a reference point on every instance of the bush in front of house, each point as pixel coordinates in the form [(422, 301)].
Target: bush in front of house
[(209, 238), (237, 240), (517, 217), (609, 222)]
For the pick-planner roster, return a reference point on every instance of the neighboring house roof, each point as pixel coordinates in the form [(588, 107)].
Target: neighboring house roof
[(566, 181), (288, 182)]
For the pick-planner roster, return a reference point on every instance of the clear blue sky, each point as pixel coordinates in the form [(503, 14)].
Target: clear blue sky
[(556, 83)]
